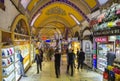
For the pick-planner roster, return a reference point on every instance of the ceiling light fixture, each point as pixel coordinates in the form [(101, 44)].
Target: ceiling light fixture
[(73, 17), (34, 19)]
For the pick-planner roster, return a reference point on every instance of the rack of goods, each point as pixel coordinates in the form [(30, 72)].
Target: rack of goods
[(8, 63), (7, 68), (106, 32)]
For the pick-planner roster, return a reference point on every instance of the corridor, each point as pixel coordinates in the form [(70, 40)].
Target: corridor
[(48, 73)]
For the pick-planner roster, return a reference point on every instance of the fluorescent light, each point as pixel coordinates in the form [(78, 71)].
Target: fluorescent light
[(34, 19), (73, 17)]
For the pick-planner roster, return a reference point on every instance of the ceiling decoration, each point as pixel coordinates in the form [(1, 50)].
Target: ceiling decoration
[(32, 4), (49, 15), (56, 10), (63, 1), (91, 3)]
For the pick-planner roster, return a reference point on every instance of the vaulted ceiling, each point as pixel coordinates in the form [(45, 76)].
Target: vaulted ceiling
[(51, 16)]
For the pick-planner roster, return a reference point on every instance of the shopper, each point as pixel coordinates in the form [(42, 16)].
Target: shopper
[(81, 58), (37, 59), (20, 63), (41, 58), (110, 57), (70, 61), (67, 51), (57, 62)]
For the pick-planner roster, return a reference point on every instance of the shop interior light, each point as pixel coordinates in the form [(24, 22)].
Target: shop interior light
[(73, 17), (101, 2), (25, 3), (34, 19)]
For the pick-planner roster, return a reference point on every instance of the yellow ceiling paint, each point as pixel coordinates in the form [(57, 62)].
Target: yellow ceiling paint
[(32, 4), (91, 3), (61, 8)]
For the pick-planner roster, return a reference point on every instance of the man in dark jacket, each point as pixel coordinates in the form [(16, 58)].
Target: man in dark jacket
[(70, 61), (57, 62), (110, 57), (37, 59), (41, 58), (81, 58)]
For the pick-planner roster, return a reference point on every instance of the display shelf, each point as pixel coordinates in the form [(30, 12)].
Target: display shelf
[(103, 59), (5, 76), (11, 77), (102, 69), (7, 65), (21, 34), (8, 60), (5, 57), (20, 40), (103, 64)]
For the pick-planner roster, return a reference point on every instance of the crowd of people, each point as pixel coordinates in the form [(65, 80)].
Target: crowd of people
[(56, 53)]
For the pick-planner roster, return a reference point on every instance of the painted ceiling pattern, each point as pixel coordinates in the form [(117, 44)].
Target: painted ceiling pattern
[(56, 10), (59, 14)]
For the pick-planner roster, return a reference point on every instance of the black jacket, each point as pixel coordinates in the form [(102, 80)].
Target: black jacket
[(81, 56), (70, 57)]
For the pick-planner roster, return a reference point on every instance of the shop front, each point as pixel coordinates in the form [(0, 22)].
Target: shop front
[(106, 33), (104, 44)]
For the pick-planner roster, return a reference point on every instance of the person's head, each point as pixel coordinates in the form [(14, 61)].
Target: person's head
[(72, 50), (81, 49), (19, 51), (110, 49)]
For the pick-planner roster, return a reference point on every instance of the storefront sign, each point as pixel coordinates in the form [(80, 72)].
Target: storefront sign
[(101, 39), (108, 32), (112, 38)]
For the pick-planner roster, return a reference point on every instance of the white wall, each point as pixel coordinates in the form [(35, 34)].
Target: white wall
[(7, 16)]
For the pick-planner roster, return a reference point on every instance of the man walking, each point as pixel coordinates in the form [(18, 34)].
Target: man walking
[(70, 61), (81, 58), (57, 62)]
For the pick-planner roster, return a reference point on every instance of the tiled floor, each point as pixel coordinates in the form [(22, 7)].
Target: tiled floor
[(48, 74)]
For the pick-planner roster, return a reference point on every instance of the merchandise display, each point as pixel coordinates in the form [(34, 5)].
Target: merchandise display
[(25, 53), (103, 48), (8, 64), (117, 42), (106, 35)]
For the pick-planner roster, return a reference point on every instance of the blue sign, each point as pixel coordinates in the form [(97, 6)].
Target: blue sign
[(48, 41)]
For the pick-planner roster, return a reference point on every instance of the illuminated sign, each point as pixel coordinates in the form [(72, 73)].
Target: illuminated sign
[(101, 39)]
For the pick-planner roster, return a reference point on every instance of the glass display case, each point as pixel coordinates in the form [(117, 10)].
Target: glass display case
[(25, 53), (102, 50)]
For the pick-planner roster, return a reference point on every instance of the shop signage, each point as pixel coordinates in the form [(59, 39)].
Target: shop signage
[(112, 38), (111, 31), (101, 39)]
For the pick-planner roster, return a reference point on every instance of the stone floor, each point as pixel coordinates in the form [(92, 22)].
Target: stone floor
[(48, 74)]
